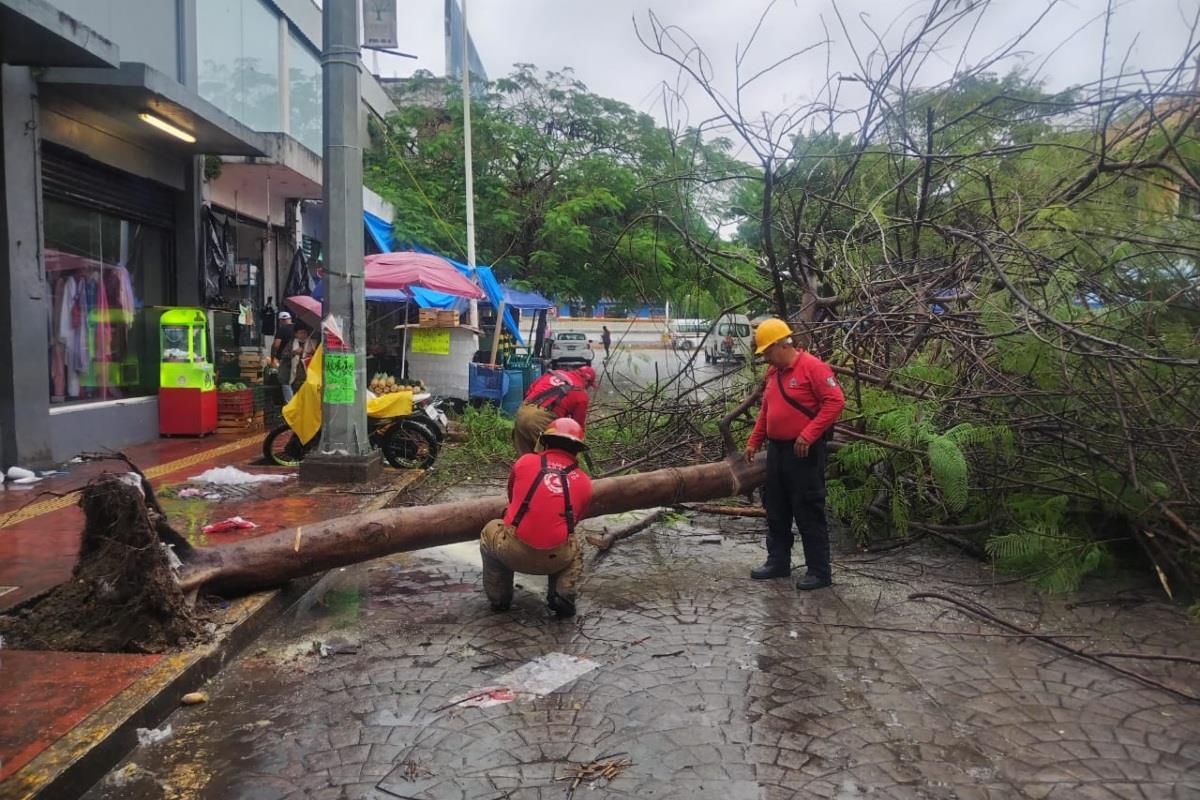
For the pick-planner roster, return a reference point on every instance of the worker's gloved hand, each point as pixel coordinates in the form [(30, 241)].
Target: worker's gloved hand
[(751, 452)]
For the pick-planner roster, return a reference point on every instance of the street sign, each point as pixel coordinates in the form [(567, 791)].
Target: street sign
[(379, 23)]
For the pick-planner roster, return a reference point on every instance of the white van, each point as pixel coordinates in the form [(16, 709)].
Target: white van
[(686, 334), (730, 339)]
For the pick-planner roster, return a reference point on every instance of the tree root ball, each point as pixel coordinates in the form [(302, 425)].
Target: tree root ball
[(122, 596)]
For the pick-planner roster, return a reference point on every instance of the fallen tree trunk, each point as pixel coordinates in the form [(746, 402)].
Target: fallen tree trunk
[(276, 558)]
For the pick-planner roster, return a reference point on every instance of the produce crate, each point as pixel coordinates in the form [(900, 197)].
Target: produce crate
[(228, 422), (428, 317), (447, 319), (240, 402)]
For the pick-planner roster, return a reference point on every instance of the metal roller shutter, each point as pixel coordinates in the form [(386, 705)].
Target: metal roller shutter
[(74, 178)]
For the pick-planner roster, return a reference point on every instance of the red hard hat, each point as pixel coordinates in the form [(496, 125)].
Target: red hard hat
[(566, 428), (589, 375)]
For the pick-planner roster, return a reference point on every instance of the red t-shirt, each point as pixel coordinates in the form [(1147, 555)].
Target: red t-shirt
[(810, 382), (574, 403), (544, 525)]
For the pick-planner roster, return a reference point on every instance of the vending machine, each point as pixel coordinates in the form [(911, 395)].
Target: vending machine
[(187, 393)]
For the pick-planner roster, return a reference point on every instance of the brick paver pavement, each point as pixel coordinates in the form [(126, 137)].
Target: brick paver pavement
[(714, 686)]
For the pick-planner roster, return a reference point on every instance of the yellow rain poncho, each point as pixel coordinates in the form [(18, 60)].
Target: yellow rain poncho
[(303, 412)]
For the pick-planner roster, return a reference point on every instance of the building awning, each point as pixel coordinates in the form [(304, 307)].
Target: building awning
[(112, 99), (34, 33)]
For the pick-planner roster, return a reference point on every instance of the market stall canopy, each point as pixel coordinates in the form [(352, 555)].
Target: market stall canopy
[(526, 301), (307, 310), (418, 270), (374, 295)]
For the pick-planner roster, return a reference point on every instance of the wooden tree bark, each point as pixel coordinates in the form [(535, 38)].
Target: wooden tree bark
[(276, 558)]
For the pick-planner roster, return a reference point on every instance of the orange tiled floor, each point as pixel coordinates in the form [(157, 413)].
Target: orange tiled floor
[(40, 526), (44, 695)]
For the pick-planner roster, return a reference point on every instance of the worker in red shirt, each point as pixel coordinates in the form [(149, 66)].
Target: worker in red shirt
[(801, 401), (558, 393), (547, 494)]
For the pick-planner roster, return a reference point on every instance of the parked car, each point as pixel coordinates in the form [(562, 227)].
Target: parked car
[(569, 348), (731, 339)]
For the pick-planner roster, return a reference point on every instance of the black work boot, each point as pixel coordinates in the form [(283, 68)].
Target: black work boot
[(561, 606), (771, 569), (810, 582)]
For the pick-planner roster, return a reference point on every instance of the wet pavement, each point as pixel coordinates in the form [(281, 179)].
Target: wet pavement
[(44, 695), (711, 685)]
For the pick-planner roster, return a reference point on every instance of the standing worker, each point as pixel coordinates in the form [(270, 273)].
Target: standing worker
[(547, 494), (558, 393), (801, 401), (606, 340)]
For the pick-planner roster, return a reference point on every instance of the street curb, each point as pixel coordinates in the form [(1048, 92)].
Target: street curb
[(78, 760)]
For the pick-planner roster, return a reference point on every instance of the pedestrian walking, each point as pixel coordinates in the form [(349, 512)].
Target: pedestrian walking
[(606, 340), (547, 494), (558, 393), (281, 353), (801, 401)]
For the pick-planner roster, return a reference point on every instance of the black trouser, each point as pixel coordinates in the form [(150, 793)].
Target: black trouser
[(795, 490)]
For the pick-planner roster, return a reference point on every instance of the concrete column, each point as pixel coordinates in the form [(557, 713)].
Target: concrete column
[(24, 315), (189, 242), (185, 15), (345, 454)]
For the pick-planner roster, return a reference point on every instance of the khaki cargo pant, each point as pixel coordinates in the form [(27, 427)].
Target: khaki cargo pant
[(503, 554), (527, 429)]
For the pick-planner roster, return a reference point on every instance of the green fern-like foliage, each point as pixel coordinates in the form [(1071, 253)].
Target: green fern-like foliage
[(857, 458), (1044, 546), (948, 464)]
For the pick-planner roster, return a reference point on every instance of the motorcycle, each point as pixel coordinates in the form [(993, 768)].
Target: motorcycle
[(410, 441)]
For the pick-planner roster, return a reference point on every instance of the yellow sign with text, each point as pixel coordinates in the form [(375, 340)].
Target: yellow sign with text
[(432, 341)]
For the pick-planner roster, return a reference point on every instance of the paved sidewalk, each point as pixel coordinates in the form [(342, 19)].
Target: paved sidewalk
[(712, 685), (56, 707)]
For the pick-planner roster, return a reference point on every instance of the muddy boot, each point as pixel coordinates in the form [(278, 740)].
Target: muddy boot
[(562, 607), (771, 569)]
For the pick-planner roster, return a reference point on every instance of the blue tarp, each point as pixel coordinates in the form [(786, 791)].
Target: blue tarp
[(526, 301), (380, 230)]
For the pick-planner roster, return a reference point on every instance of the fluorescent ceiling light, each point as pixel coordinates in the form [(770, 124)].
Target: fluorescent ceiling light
[(167, 127)]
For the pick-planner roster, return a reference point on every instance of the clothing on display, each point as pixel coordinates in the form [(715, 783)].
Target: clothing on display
[(92, 312)]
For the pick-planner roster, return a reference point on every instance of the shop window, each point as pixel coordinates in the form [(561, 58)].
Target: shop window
[(304, 94), (238, 53), (103, 272)]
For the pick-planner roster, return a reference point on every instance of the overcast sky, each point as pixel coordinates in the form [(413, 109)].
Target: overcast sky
[(597, 39)]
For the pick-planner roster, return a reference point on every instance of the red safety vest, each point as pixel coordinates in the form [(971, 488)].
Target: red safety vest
[(548, 494)]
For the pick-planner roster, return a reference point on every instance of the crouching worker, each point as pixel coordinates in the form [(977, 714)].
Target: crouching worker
[(547, 494)]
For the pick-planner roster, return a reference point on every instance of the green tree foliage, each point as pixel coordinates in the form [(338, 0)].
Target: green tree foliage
[(577, 195)]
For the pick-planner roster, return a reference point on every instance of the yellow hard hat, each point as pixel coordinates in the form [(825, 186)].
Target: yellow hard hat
[(770, 332)]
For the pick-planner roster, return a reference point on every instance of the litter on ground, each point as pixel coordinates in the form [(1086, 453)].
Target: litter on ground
[(231, 524), (232, 476)]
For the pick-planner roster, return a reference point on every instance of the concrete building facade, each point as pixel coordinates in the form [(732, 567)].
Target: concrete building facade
[(140, 136)]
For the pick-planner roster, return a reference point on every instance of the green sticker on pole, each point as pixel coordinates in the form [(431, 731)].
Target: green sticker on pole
[(339, 378)]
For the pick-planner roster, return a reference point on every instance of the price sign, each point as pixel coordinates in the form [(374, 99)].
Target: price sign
[(432, 341), (339, 378)]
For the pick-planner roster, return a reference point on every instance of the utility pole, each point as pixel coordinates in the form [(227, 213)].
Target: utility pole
[(345, 454), (465, 54)]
